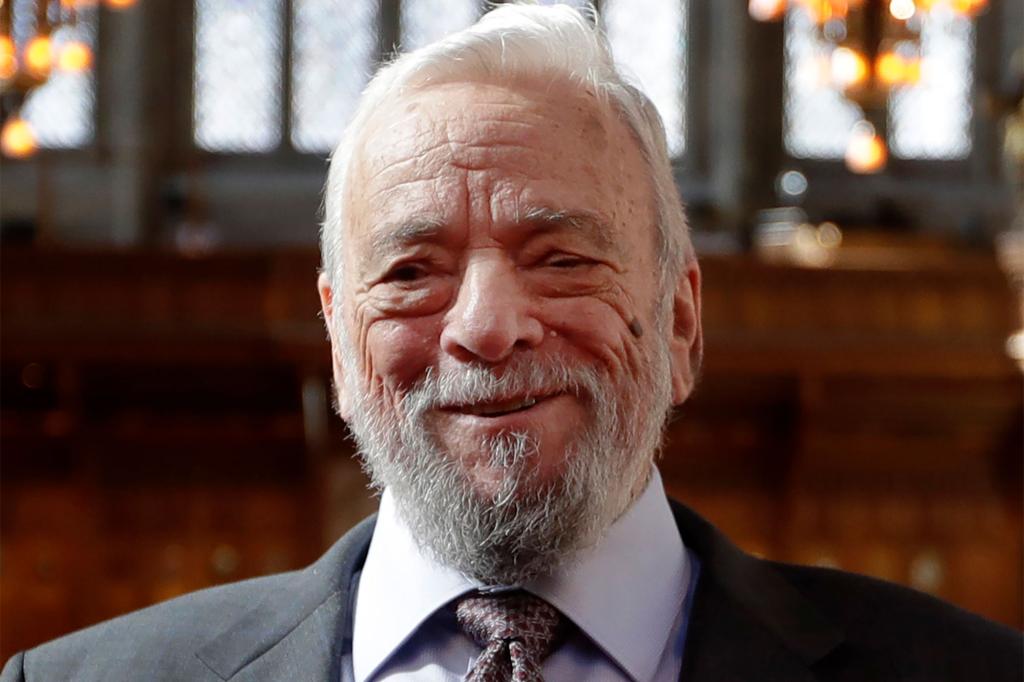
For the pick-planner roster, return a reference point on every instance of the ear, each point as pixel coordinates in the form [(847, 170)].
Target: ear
[(333, 321), (686, 346)]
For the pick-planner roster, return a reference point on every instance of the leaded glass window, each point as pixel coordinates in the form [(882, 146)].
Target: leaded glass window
[(424, 21), (578, 4), (648, 40), (817, 118), (240, 75), (333, 53), (928, 120), (239, 56), (238, 52), (61, 111), (932, 119)]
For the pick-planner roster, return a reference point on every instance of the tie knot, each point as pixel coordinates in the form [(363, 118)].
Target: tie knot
[(515, 618)]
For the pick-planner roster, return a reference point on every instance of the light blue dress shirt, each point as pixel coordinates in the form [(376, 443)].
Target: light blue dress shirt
[(629, 597)]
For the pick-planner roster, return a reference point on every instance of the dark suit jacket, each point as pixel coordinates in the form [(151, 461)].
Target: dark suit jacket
[(751, 620)]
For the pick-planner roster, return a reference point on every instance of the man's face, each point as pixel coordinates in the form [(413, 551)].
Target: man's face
[(501, 282)]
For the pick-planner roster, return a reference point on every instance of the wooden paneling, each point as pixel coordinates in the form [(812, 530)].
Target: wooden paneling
[(156, 438)]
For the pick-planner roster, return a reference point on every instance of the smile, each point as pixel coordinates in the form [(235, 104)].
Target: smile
[(499, 408)]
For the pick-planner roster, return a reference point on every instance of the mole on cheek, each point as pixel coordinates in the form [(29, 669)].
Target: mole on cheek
[(635, 328)]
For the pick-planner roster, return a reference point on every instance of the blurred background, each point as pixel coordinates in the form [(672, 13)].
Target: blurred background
[(854, 174)]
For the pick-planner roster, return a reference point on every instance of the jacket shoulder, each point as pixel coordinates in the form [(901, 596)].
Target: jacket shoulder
[(163, 642), (158, 642), (838, 626), (917, 635)]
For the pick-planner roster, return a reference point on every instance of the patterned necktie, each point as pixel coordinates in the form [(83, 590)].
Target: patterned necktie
[(517, 632)]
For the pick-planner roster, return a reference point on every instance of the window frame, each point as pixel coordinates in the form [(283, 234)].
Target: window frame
[(910, 183), (389, 31), (92, 151)]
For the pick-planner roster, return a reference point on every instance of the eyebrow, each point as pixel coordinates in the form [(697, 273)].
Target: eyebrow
[(592, 226), (392, 238)]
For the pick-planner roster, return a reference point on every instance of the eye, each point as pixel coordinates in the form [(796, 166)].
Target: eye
[(564, 261), (407, 272)]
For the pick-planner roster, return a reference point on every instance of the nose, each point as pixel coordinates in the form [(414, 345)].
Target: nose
[(492, 315)]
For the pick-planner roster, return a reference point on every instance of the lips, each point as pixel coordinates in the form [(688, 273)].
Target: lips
[(498, 408)]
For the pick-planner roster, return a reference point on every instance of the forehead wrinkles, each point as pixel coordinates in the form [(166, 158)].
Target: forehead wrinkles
[(439, 145), (457, 121), (464, 142)]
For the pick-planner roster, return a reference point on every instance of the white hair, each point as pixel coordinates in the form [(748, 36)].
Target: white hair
[(510, 44)]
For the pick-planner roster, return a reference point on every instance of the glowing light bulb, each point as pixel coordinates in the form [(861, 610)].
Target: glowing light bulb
[(891, 68), (8, 60), (902, 9), (866, 152), (912, 70), (75, 56), (766, 10), (38, 56), (119, 4), (17, 140), (849, 67)]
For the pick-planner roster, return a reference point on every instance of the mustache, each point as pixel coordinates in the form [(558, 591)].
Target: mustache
[(520, 378)]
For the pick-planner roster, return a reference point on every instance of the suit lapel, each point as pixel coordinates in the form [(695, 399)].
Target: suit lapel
[(297, 630), (725, 643), (312, 651), (747, 622)]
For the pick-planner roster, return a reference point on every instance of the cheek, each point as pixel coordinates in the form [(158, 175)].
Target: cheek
[(596, 331), (400, 350)]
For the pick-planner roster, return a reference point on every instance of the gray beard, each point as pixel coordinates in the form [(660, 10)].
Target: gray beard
[(526, 528)]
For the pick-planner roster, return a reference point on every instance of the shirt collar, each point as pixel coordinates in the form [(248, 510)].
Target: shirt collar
[(400, 587), (626, 592), (639, 569)]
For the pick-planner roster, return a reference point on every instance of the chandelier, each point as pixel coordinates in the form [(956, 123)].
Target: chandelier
[(872, 47), (30, 53)]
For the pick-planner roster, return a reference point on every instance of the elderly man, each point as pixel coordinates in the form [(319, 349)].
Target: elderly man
[(513, 308)]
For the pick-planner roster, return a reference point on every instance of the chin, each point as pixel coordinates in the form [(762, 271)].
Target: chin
[(515, 464)]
